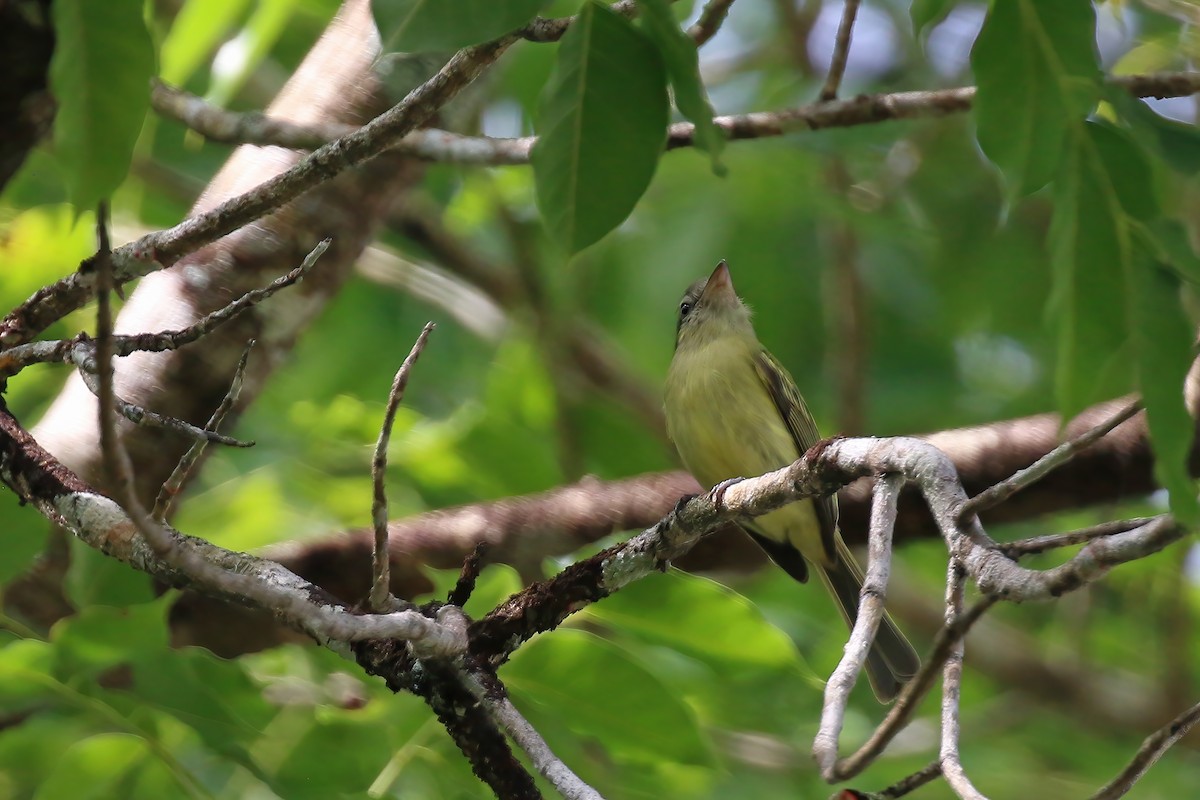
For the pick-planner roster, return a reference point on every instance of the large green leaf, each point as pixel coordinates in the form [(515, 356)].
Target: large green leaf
[(603, 693), (1092, 254), (1178, 144), (1036, 69), (419, 25), (95, 767), (700, 617), (212, 696), (1116, 304), (1162, 339), (100, 76), (602, 125), (251, 46), (102, 637), (683, 66)]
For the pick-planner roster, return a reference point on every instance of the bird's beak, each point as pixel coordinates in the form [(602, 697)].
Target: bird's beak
[(719, 289)]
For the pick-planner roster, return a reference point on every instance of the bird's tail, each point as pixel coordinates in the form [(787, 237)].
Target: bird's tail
[(891, 661)]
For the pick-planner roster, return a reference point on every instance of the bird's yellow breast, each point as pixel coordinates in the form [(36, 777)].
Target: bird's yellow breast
[(720, 416), (725, 425)]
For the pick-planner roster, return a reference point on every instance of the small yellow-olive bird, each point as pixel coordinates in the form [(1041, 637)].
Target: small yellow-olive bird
[(733, 410)]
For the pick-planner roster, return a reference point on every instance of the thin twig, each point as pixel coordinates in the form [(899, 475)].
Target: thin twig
[(443, 146), (80, 351), (948, 757), (551, 29), (116, 460), (331, 625), (1043, 466), (152, 419), (841, 50), (464, 587), (492, 695), (183, 470), (1149, 753), (381, 598), (906, 785), (710, 21), (1040, 544), (164, 248)]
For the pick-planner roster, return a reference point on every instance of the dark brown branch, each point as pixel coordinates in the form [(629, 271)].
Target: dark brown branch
[(841, 50)]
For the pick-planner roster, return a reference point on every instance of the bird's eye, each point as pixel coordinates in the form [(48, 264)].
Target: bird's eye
[(685, 308)]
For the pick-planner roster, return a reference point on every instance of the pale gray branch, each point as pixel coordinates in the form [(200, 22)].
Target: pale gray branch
[(948, 758), (866, 623)]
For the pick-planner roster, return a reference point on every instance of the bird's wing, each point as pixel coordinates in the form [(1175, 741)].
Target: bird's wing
[(803, 428)]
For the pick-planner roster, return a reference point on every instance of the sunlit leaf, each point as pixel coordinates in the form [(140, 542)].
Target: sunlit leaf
[(248, 48), (1036, 70), (195, 33), (700, 617), (416, 25), (100, 76), (602, 125), (94, 768), (601, 692), (101, 637)]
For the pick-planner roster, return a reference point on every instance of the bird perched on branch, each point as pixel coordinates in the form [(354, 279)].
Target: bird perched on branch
[(733, 410)]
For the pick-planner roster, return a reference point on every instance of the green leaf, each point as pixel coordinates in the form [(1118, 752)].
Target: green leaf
[(419, 25), (602, 125), (100, 637), (100, 76), (603, 693), (305, 737), (1174, 250), (926, 14), (1162, 338), (195, 33), (1104, 189), (683, 66), (700, 617), (96, 579), (95, 767), (25, 668), (1036, 69), (1087, 295), (1178, 144), (220, 701)]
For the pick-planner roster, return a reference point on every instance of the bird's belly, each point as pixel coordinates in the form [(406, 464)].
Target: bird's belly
[(728, 432), (738, 433)]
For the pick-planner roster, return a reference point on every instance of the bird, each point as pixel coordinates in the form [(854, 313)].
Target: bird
[(733, 410)]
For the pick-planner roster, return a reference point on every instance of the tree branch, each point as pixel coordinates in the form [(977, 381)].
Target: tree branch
[(380, 597), (443, 146), (841, 50)]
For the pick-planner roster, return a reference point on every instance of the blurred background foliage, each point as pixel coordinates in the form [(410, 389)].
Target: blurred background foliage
[(679, 686)]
